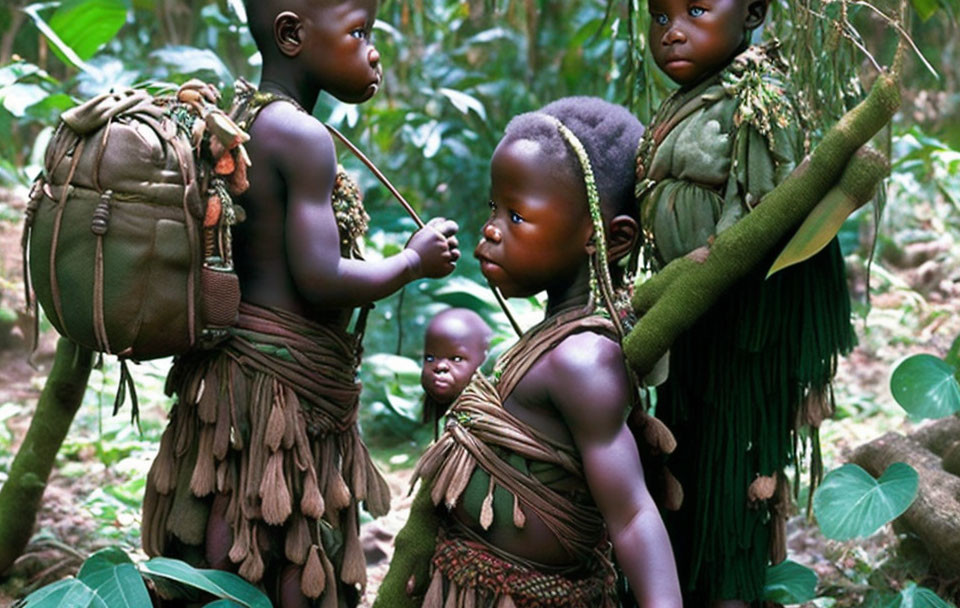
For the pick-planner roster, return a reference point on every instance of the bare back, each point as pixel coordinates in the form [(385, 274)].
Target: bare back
[(262, 245)]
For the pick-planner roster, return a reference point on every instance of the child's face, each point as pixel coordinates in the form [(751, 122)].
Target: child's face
[(451, 353), (339, 50), (539, 225), (693, 39)]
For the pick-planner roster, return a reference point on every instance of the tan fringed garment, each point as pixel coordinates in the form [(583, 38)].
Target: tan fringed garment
[(268, 419), (478, 433)]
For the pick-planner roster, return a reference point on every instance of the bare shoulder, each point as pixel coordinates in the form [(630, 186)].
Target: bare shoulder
[(289, 136), (589, 386)]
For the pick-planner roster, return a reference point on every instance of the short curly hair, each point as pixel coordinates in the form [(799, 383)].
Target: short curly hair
[(610, 135)]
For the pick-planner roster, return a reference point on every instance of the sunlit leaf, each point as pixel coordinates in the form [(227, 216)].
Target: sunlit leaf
[(118, 586), (789, 583), (817, 229), (464, 102), (63, 50), (926, 386), (67, 592), (852, 504), (86, 25), (19, 96)]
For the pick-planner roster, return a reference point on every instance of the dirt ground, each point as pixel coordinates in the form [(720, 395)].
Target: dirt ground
[(861, 384)]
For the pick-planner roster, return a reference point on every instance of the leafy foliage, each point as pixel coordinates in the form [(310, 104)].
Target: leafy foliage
[(790, 583), (926, 386), (852, 504), (110, 579)]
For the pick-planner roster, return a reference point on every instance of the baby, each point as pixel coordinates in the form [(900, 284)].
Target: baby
[(455, 345)]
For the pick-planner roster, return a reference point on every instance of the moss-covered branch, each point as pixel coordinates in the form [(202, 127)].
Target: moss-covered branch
[(414, 547), (21, 494), (671, 301)]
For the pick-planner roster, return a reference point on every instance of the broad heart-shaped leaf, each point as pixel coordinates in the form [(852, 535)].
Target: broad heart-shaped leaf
[(86, 25), (220, 584), (852, 504), (790, 583), (67, 592), (815, 232), (926, 387)]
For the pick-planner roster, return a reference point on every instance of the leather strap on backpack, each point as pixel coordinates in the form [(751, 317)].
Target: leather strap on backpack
[(54, 284)]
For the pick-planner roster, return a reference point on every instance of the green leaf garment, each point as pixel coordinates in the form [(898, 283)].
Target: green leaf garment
[(501, 468), (758, 365), (266, 422)]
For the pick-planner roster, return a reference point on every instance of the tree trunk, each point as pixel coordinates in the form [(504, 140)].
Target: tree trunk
[(20, 496), (939, 436), (934, 517)]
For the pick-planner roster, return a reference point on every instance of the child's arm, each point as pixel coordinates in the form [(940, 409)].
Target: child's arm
[(592, 392), (306, 162)]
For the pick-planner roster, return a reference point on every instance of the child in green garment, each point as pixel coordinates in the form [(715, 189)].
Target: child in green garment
[(759, 364)]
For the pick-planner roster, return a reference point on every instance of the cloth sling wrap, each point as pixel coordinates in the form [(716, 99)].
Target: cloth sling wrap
[(759, 364), (480, 436), (268, 420)]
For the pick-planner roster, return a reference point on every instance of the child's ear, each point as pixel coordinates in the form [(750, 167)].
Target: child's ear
[(622, 235), (287, 29), (756, 13)]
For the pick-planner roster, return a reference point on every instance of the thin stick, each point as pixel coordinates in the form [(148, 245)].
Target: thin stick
[(413, 214), (380, 176), (506, 310)]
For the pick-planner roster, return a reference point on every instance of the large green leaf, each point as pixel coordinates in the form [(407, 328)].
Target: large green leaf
[(224, 585), (118, 585), (926, 386), (790, 583), (852, 504), (86, 25), (67, 592), (237, 590), (60, 47)]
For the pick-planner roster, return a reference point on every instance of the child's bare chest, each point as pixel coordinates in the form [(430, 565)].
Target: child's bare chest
[(531, 402)]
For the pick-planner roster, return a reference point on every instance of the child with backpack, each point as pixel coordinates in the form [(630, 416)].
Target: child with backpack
[(455, 344), (536, 481), (262, 469), (760, 362)]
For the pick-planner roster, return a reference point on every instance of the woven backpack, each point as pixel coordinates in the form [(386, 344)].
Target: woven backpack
[(127, 231)]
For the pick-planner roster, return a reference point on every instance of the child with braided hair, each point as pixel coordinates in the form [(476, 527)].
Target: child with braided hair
[(537, 477), (760, 362), (262, 469)]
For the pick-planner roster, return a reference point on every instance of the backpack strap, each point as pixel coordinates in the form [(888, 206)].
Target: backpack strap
[(58, 219)]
